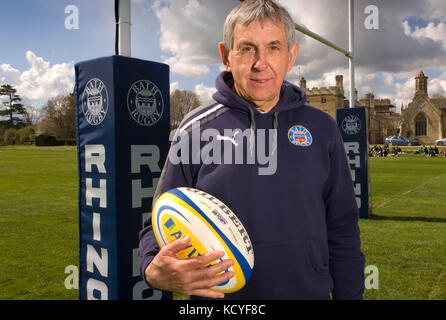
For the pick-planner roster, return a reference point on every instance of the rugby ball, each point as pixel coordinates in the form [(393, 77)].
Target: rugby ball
[(211, 225)]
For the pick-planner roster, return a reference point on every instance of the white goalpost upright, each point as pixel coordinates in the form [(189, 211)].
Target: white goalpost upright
[(352, 122), (115, 129), (351, 37), (348, 53), (124, 29)]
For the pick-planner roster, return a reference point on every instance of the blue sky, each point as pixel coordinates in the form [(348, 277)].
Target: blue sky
[(38, 53), (38, 26)]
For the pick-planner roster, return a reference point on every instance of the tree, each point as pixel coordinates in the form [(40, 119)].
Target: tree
[(181, 103), (59, 117), (11, 136), (33, 115), (12, 107), (26, 134)]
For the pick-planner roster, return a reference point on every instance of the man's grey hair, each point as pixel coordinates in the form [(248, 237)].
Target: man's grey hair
[(251, 10)]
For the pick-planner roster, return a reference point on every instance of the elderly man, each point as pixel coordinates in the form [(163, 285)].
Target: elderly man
[(301, 216)]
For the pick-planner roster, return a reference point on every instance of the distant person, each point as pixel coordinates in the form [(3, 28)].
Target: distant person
[(385, 150), (431, 152)]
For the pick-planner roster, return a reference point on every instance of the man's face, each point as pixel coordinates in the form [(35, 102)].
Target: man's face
[(259, 61)]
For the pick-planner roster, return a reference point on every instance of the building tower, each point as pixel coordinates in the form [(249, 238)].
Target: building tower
[(303, 83), (421, 84)]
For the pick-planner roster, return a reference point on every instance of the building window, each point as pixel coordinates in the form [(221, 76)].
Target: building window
[(420, 125), (323, 100)]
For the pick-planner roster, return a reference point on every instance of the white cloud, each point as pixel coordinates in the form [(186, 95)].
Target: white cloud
[(9, 75), (389, 80), (405, 90), (187, 67), (174, 86), (404, 93), (406, 27), (386, 59), (190, 31), (41, 81), (434, 31), (327, 79), (391, 48), (438, 85), (205, 93)]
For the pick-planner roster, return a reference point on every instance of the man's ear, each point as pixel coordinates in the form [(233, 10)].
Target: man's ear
[(293, 55), (224, 55)]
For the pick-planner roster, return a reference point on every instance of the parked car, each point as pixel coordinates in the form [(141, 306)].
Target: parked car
[(401, 141), (413, 142), (440, 142)]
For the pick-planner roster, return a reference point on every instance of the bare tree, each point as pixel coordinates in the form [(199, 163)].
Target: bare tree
[(59, 117), (33, 115), (181, 103)]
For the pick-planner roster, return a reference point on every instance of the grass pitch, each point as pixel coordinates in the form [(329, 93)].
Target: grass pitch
[(406, 235), (405, 238), (38, 221)]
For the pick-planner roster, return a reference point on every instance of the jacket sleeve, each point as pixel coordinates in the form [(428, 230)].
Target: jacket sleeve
[(172, 176), (346, 261)]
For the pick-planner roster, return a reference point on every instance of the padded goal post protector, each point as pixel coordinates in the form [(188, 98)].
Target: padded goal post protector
[(123, 122), (352, 123)]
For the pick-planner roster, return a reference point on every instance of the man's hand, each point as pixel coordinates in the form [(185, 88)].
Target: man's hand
[(168, 272)]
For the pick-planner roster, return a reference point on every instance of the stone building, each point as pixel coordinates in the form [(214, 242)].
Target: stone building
[(326, 98), (381, 116), (424, 117), (380, 113)]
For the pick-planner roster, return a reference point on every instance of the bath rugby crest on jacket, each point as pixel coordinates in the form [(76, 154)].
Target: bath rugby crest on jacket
[(210, 224), (300, 136)]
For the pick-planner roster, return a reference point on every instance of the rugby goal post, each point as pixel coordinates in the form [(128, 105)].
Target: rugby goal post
[(352, 123), (122, 124)]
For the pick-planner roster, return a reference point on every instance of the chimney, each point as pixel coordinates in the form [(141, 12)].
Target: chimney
[(340, 83)]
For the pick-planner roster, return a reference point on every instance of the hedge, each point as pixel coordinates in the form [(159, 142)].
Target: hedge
[(47, 140)]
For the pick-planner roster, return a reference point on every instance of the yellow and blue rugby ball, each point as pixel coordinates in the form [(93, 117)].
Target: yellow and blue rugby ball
[(210, 224)]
